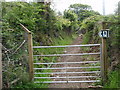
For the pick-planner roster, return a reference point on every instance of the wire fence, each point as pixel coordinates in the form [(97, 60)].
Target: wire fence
[(14, 59)]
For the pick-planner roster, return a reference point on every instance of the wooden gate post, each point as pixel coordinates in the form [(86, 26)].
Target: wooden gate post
[(30, 51), (104, 62), (0, 66)]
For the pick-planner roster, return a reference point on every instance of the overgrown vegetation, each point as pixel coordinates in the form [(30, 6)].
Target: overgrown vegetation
[(90, 28), (113, 80), (48, 28)]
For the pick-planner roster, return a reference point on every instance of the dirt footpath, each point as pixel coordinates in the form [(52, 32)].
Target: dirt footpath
[(73, 50)]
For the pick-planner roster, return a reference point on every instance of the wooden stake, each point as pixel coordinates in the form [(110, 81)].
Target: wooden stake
[(104, 57), (30, 50), (0, 66)]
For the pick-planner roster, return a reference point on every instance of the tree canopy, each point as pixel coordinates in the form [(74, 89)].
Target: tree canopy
[(79, 7), (83, 11)]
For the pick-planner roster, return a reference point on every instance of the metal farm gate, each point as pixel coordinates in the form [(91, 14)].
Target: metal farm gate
[(98, 72), (94, 75)]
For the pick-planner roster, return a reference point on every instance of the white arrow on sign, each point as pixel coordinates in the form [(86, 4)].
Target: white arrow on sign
[(104, 33), (100, 34)]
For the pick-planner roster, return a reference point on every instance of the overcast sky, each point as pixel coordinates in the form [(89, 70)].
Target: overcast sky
[(97, 5)]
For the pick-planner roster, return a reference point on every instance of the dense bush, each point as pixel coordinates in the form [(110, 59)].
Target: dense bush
[(47, 29), (91, 27)]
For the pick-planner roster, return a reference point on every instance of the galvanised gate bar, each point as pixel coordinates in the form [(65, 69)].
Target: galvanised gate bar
[(62, 68)]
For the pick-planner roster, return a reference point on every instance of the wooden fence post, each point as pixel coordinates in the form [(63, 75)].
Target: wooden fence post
[(30, 50), (104, 62), (0, 66)]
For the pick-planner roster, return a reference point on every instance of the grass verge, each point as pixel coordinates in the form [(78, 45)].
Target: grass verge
[(113, 80)]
